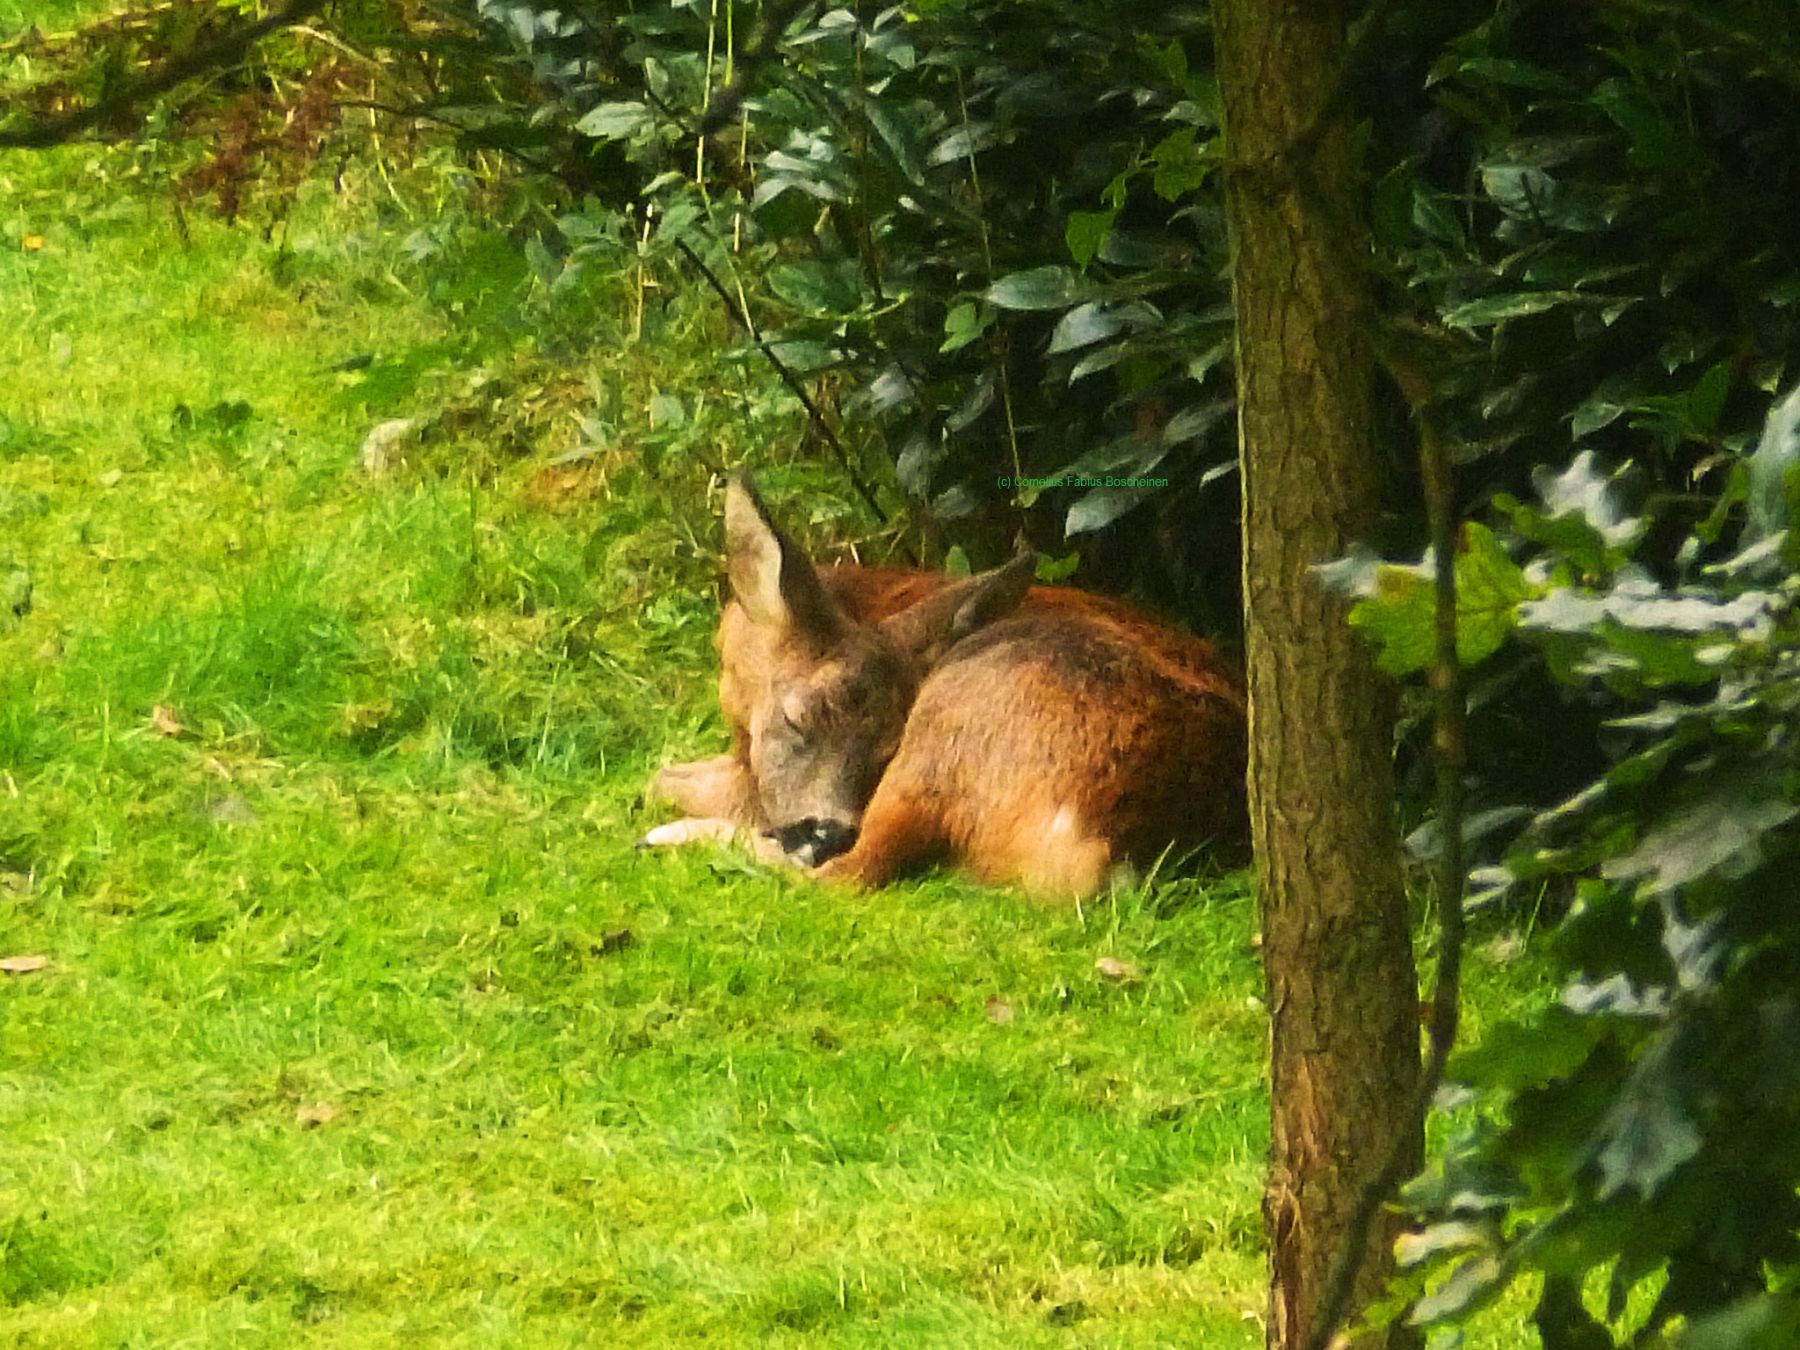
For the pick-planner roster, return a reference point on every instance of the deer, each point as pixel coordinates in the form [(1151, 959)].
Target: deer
[(886, 718)]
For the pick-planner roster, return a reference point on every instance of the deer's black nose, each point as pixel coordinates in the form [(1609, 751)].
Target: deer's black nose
[(814, 840)]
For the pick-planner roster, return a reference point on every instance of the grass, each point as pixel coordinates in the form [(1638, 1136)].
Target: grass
[(364, 1024), (49, 16)]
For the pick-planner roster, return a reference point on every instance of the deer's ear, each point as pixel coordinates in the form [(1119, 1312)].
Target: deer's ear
[(930, 627), (770, 577)]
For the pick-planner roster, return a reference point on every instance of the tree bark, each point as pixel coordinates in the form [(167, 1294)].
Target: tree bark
[(1343, 1001)]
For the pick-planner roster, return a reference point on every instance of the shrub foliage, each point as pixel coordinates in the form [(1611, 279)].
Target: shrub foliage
[(990, 234)]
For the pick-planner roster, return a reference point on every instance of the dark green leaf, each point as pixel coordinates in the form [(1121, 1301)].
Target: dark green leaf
[(1472, 1285), (1520, 1055), (1039, 288), (1722, 833), (1755, 1323), (1098, 320), (922, 453), (819, 288), (1492, 309), (1399, 615), (1648, 1133), (964, 323), (1772, 467), (1707, 398), (1179, 165), (1522, 74), (1656, 142), (897, 135), (963, 142), (1100, 508), (613, 121)]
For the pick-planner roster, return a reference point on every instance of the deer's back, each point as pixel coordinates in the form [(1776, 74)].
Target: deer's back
[(1082, 718)]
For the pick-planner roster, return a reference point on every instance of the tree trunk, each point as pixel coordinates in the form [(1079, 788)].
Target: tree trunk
[(1343, 1001)]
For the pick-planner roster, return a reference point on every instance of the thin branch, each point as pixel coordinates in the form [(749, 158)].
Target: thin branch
[(741, 316), (1449, 755), (336, 44), (776, 17), (225, 50)]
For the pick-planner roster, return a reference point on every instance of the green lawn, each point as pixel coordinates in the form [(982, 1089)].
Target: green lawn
[(363, 1023)]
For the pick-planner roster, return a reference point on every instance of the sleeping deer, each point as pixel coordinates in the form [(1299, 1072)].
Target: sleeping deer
[(885, 718)]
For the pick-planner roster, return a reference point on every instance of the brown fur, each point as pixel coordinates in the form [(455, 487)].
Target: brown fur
[(1038, 736)]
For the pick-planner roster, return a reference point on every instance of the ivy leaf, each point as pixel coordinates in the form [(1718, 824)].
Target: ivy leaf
[(1103, 358), (786, 207), (1434, 215)]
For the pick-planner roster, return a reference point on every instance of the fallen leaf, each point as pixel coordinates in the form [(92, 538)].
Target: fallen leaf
[(166, 720), (231, 809), (1115, 969), (311, 1117), (381, 448), (22, 965), (999, 1011)]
